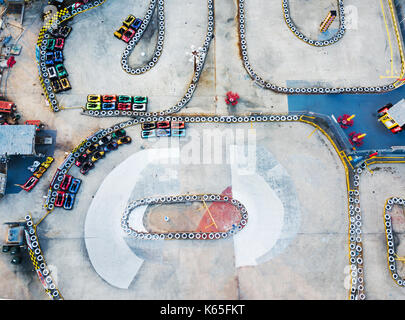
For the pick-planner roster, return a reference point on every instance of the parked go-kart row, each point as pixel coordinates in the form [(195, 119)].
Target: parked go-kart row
[(38, 170), (114, 102), (54, 59), (163, 129), (66, 196), (98, 150), (128, 29)]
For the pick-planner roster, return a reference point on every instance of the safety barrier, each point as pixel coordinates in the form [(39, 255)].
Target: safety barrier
[(192, 85), (73, 156), (312, 90), (392, 256), (38, 260), (354, 214), (352, 177), (185, 235), (63, 16), (316, 43), (138, 35), (53, 23)]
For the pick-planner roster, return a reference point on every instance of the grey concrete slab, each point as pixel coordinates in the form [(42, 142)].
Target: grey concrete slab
[(385, 181), (309, 259), (92, 43), (284, 58)]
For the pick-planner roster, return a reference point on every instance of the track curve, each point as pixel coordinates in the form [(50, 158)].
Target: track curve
[(265, 84), (316, 43), (183, 235), (138, 35)]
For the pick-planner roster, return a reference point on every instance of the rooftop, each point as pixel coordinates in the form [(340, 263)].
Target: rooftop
[(17, 140)]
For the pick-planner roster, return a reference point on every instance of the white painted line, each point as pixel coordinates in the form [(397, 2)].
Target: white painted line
[(266, 215), (109, 254)]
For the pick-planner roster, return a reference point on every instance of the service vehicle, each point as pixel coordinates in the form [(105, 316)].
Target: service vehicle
[(47, 162), (15, 235), (118, 34), (56, 86), (393, 116), (94, 98), (34, 166), (124, 140), (136, 24), (61, 71), (64, 31), (65, 84), (15, 240), (139, 107), (50, 45), (108, 106), (124, 106), (177, 125), (140, 99), (49, 58), (93, 105), (16, 260), (60, 198), (163, 132), (118, 134), (58, 56), (29, 184), (59, 43), (163, 124), (110, 146), (92, 148), (129, 20), (178, 132), (128, 35), (86, 167), (74, 185), (52, 73), (54, 32), (76, 5), (148, 133), (124, 99), (7, 107), (104, 140), (38, 174), (109, 98), (69, 200), (97, 156), (37, 123), (64, 185), (148, 125), (81, 159)]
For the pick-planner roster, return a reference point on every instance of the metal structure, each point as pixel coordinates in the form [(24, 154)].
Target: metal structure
[(328, 21)]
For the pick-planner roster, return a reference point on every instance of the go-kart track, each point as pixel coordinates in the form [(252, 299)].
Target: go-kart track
[(283, 212)]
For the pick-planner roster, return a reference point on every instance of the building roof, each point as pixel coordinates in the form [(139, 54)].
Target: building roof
[(17, 140)]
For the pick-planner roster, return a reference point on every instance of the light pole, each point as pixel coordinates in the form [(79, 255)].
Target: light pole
[(195, 55)]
